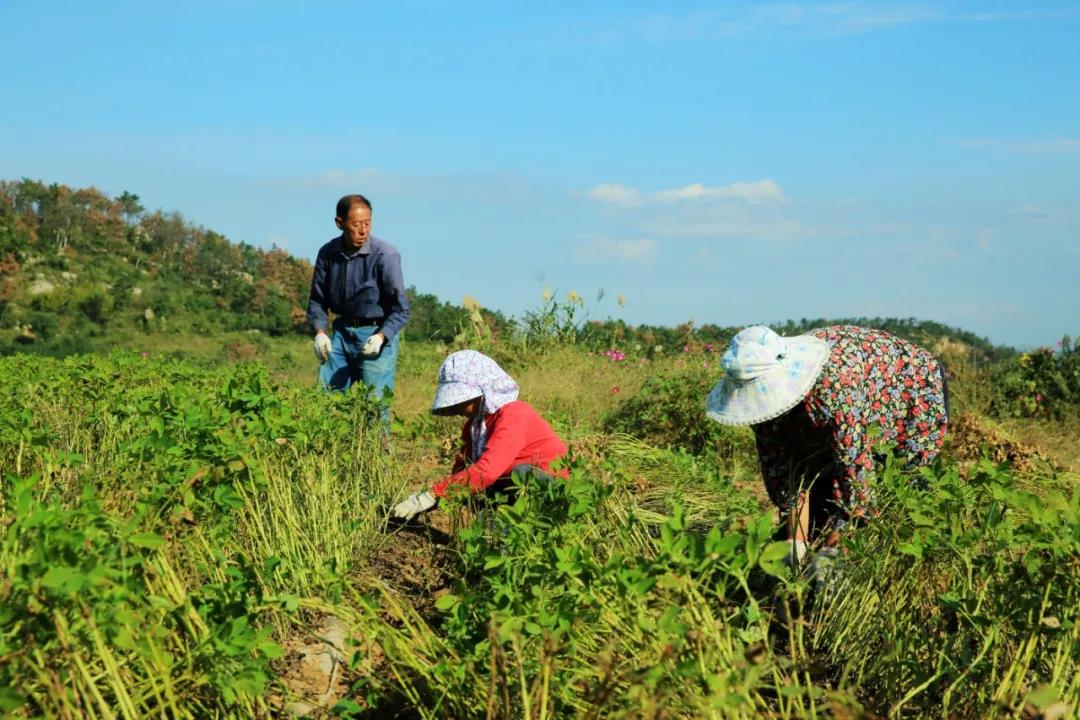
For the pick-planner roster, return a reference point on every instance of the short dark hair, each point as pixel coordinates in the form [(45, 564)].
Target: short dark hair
[(344, 205)]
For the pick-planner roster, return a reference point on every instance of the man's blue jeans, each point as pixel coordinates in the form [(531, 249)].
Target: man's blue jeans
[(346, 365)]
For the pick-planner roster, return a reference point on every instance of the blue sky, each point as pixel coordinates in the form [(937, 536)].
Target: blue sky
[(722, 162)]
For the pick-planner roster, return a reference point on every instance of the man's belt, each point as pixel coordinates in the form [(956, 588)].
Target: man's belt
[(359, 321)]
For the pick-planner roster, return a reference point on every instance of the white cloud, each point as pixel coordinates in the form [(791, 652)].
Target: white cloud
[(616, 194), (336, 176), (606, 249), (757, 191), (1054, 145), (636, 250), (1028, 210)]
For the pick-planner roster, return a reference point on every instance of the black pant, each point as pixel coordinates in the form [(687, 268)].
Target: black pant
[(945, 389), (525, 471)]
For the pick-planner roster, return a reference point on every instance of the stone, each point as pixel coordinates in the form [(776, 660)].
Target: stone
[(41, 286), (317, 676)]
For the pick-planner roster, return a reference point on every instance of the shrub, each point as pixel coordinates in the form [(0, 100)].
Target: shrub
[(95, 303), (1041, 383), (669, 410)]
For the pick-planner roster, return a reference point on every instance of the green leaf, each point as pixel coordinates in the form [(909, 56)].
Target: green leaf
[(271, 650), (777, 570), (147, 540), (775, 551), (643, 586), (10, 700), (914, 549), (1043, 696), (161, 602), (346, 708), (61, 576), (225, 496), (124, 640), (725, 546), (446, 602)]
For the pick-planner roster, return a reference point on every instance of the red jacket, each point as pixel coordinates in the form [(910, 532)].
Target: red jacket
[(516, 434)]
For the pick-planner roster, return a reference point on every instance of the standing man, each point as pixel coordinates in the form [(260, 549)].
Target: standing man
[(358, 278)]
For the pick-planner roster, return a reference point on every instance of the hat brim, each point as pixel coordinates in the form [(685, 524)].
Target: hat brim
[(750, 402), (449, 394)]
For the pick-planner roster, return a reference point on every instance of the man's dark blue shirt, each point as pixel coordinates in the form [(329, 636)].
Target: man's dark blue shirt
[(366, 284)]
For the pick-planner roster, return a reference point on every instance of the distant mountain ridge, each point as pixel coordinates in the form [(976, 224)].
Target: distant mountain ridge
[(76, 264)]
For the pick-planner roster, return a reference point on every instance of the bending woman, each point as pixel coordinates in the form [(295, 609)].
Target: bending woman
[(814, 402), (501, 434)]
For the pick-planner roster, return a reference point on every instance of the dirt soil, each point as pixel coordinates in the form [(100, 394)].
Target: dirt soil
[(416, 562), (315, 669)]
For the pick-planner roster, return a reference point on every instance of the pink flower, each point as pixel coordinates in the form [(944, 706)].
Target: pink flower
[(614, 355), (144, 354), (1038, 398), (686, 348), (615, 390)]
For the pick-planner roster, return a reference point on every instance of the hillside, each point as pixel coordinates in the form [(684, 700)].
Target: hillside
[(78, 266)]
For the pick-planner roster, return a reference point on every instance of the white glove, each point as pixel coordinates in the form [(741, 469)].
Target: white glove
[(322, 347), (823, 568), (414, 505), (372, 346)]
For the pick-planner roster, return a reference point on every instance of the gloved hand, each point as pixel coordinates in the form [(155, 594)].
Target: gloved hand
[(414, 505), (823, 568), (372, 346), (322, 347)]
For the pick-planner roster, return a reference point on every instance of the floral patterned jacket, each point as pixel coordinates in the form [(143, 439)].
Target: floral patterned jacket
[(871, 379)]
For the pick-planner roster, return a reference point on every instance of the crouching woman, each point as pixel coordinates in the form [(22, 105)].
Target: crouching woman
[(501, 435), (817, 404)]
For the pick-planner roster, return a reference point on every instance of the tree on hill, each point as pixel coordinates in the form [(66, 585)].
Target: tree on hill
[(75, 260), (130, 206)]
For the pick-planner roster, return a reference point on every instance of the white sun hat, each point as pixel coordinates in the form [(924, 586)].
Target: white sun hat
[(765, 375), (468, 374)]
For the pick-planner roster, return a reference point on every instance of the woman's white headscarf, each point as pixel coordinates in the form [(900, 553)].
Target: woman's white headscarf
[(468, 374)]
